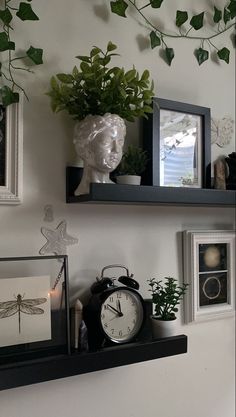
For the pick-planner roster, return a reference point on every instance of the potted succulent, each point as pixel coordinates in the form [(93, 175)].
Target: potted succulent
[(166, 297), (133, 164), (92, 94)]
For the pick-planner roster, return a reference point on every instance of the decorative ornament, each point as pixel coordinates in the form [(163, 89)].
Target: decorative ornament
[(57, 240), (222, 131)]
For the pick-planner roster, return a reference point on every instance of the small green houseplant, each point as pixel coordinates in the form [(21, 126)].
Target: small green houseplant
[(95, 89), (166, 297), (133, 163)]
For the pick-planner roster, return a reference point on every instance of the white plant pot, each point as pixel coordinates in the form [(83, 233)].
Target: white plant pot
[(163, 328), (128, 179)]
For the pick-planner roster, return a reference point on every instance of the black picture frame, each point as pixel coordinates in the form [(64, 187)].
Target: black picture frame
[(2, 146), (56, 267), (151, 139)]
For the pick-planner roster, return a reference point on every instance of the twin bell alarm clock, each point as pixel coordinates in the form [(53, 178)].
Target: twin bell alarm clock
[(115, 312)]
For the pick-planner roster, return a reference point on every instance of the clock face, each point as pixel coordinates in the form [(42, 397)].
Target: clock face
[(122, 315)]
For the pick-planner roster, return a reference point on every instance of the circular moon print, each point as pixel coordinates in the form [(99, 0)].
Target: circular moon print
[(212, 288), (212, 257)]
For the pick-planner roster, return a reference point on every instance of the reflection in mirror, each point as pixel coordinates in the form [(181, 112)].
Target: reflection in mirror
[(180, 149)]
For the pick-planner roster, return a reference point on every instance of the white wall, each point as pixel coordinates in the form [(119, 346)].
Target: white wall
[(146, 239)]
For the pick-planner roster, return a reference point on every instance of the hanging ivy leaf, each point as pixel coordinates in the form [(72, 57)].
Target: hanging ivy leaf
[(119, 7), (156, 4), (217, 15), (224, 54), (8, 96), (35, 54), (155, 40), (227, 15), (181, 18), (25, 12), (197, 21), (232, 9), (169, 52), (5, 45), (202, 55), (6, 16)]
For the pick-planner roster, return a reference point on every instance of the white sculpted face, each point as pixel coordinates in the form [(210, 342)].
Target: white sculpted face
[(106, 150), (99, 142)]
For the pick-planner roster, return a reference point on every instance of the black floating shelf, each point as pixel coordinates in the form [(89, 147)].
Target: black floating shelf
[(62, 366), (145, 194)]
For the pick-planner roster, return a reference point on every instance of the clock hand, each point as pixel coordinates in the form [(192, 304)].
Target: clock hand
[(120, 314), (119, 307)]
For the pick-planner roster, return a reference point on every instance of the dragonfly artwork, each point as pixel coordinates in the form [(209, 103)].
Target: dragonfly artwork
[(21, 305)]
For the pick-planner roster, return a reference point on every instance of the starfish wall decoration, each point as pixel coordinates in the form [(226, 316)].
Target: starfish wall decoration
[(57, 240)]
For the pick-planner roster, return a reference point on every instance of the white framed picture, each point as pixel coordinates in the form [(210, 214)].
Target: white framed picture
[(11, 143), (209, 269)]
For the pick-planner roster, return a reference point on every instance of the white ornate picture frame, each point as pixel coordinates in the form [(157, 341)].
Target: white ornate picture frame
[(209, 269), (11, 186)]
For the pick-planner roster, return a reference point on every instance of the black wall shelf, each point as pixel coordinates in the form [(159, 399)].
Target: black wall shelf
[(148, 195), (61, 366)]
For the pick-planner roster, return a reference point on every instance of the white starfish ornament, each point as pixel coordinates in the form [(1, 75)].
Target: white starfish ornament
[(57, 240)]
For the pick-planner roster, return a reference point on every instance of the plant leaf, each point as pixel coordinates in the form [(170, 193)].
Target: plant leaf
[(119, 7), (224, 54), (197, 21), (111, 46), (232, 9), (25, 12), (156, 4), (217, 15), (202, 55), (5, 16), (5, 45), (65, 78), (35, 54), (8, 96), (169, 52), (227, 15), (181, 18), (155, 40)]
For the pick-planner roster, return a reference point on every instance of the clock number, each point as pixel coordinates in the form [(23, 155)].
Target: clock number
[(112, 331), (133, 321), (120, 333), (119, 295), (103, 316), (129, 329), (105, 307), (111, 299), (105, 325)]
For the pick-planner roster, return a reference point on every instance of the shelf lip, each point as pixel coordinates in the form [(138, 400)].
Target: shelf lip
[(62, 366), (145, 194)]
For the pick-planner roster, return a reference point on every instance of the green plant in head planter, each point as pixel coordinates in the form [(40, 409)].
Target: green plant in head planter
[(96, 89), (99, 97)]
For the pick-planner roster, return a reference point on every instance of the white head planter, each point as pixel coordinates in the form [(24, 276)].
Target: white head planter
[(99, 142)]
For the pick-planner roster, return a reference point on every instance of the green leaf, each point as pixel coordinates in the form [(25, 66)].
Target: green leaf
[(95, 51), (119, 7), (35, 54), (25, 12), (8, 96), (169, 52), (145, 75), (5, 45), (232, 9), (156, 3), (224, 54), (65, 78), (54, 84), (6, 16), (111, 46), (181, 18), (227, 15), (130, 75), (217, 15), (83, 58), (202, 55), (197, 21), (155, 40)]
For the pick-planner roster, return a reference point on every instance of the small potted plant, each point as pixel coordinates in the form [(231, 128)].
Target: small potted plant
[(133, 164), (166, 297)]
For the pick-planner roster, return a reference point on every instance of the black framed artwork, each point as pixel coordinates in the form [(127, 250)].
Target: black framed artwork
[(2, 146), (34, 308), (177, 138)]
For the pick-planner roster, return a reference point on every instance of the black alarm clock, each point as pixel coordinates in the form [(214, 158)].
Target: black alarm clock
[(115, 313)]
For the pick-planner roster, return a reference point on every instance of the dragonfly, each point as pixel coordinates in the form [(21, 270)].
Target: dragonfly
[(21, 305)]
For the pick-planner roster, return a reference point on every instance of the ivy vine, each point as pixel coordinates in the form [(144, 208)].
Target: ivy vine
[(223, 20), (9, 88)]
